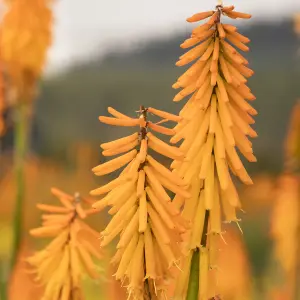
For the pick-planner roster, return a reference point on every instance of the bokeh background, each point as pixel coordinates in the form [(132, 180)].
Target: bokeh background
[(122, 54)]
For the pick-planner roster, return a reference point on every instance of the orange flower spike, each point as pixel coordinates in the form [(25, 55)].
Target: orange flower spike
[(144, 215), (216, 120), (297, 23), (59, 267), (25, 39)]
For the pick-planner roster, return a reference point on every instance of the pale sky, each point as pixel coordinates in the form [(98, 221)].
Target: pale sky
[(85, 27)]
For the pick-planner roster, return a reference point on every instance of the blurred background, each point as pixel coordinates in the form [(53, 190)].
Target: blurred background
[(122, 54)]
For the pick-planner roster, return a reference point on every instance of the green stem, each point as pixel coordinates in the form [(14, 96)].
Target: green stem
[(2, 292), (193, 288), (20, 148), (19, 162), (3, 279)]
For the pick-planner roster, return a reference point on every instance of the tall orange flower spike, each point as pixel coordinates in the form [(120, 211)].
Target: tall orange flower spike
[(297, 23), (26, 34), (60, 266), (285, 226), (292, 141), (215, 124), (3, 104), (148, 223), (285, 218)]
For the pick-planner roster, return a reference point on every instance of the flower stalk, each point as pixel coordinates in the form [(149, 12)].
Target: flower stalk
[(20, 150), (194, 281), (20, 144), (193, 288)]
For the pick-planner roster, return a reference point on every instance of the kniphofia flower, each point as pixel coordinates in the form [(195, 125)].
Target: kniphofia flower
[(215, 125), (234, 281), (3, 104), (26, 34), (297, 23), (60, 266), (292, 142), (285, 225), (285, 219), (148, 223)]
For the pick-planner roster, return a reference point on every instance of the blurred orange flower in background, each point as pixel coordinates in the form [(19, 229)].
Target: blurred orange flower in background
[(22, 285), (297, 23), (234, 275), (24, 40)]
